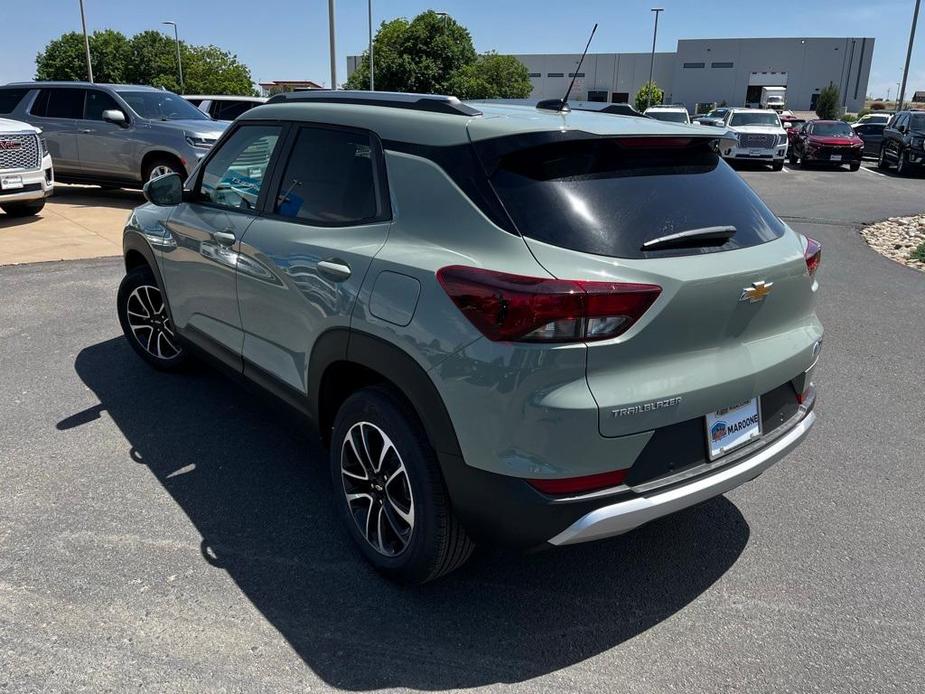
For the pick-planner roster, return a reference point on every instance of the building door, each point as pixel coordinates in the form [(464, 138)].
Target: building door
[(620, 97)]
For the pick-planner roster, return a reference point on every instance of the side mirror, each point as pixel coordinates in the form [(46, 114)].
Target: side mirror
[(114, 115), (164, 191)]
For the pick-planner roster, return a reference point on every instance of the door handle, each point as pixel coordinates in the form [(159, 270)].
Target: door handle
[(224, 238), (86, 130), (335, 269)]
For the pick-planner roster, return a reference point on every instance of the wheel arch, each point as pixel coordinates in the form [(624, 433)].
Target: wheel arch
[(343, 361), (136, 252), (156, 154)]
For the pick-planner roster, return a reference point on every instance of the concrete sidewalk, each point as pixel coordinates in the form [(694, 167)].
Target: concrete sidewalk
[(77, 222)]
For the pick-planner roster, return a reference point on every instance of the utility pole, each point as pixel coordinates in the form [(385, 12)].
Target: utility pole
[(333, 47), (656, 10), (902, 89), (176, 38), (83, 22), (372, 79)]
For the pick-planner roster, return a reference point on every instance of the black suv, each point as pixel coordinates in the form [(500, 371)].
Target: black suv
[(903, 142)]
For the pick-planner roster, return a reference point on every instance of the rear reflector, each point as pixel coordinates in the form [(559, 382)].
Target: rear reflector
[(507, 307), (813, 255), (575, 485)]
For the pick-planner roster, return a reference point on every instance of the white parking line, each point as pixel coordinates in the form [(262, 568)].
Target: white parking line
[(871, 171), (785, 170)]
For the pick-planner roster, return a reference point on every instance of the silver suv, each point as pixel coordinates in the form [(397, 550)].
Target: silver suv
[(112, 134), (509, 324)]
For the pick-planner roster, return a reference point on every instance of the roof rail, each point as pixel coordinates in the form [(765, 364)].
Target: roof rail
[(416, 102)]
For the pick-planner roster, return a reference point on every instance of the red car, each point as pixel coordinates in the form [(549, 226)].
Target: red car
[(826, 142)]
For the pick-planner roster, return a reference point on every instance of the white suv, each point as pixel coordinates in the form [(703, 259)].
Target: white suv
[(26, 174), (760, 136)]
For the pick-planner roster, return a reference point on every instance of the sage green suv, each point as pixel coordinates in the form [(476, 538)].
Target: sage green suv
[(510, 325)]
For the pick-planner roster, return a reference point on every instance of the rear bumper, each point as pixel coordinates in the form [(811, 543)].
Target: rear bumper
[(623, 516)]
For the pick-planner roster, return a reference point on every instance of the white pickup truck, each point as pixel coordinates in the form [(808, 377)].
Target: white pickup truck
[(26, 173)]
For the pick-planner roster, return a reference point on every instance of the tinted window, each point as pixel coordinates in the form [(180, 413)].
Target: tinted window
[(601, 196), (59, 103), (837, 129), (194, 102), (235, 174), (97, 102), (229, 110), (669, 116), (10, 98), (330, 178), (917, 121), (156, 105), (740, 118)]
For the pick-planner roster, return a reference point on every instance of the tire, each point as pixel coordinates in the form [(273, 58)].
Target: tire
[(160, 166), (23, 209), (146, 322), (777, 165), (882, 163), (793, 159), (854, 166), (420, 538), (902, 167)]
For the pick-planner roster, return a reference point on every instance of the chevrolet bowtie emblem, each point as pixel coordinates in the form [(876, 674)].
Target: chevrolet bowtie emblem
[(756, 292)]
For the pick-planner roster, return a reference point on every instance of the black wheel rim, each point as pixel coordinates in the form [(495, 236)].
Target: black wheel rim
[(377, 489), (149, 322)]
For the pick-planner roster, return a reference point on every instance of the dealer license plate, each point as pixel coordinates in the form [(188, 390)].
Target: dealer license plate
[(732, 427), (755, 152), (835, 157), (10, 182)]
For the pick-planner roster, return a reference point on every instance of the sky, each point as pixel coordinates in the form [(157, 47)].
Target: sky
[(288, 39)]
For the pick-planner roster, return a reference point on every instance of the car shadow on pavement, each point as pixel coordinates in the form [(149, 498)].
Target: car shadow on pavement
[(94, 196), (6, 221), (255, 484)]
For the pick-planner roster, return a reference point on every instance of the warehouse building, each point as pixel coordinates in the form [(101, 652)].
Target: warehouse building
[(706, 71)]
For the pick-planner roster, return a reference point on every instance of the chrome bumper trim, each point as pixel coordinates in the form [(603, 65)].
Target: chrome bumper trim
[(624, 516)]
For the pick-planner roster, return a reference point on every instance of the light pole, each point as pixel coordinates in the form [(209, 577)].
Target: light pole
[(176, 38), (372, 79), (83, 22), (902, 89), (331, 41), (656, 10)]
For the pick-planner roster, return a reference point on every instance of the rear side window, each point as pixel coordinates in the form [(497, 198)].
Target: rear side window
[(229, 110), (10, 98), (605, 197), (331, 179), (59, 103)]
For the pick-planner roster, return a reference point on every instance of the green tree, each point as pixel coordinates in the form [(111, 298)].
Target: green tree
[(64, 58), (387, 52), (492, 76), (827, 103), (149, 57), (649, 94)]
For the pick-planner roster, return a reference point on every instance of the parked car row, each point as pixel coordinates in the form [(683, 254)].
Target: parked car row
[(26, 173)]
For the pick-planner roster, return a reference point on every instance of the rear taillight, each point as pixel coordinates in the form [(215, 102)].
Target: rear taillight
[(507, 307), (579, 485), (813, 255)]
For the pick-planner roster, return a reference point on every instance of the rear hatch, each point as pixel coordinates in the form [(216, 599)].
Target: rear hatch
[(591, 208)]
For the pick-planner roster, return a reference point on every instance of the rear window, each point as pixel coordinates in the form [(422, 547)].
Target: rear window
[(600, 196), (10, 98)]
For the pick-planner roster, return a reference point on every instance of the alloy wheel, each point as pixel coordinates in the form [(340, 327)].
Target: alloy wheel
[(900, 162), (150, 324), (159, 170), (377, 488)]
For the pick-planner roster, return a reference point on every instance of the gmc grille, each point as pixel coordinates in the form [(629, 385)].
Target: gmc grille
[(19, 152), (757, 140)]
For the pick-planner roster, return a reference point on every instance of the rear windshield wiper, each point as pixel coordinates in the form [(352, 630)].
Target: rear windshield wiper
[(691, 238)]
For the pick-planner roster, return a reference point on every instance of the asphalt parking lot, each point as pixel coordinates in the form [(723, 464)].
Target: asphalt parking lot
[(164, 532)]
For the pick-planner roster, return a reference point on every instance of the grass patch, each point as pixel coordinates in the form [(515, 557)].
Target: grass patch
[(919, 252)]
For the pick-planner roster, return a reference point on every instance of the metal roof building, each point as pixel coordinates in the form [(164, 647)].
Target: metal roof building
[(715, 70)]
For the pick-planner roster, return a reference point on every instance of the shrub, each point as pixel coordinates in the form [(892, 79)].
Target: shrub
[(878, 106), (848, 118), (827, 103), (919, 252)]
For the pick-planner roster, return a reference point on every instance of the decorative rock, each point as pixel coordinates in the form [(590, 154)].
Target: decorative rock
[(897, 238)]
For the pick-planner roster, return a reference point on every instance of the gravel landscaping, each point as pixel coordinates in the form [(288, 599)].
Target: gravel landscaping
[(898, 238)]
